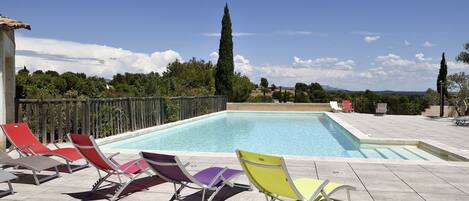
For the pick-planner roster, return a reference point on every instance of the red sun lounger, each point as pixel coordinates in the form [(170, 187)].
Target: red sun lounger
[(91, 152), (27, 144)]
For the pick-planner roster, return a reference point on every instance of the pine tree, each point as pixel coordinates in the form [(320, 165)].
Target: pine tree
[(225, 64), (442, 76)]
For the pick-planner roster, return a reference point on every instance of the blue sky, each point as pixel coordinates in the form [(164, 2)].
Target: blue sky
[(378, 45)]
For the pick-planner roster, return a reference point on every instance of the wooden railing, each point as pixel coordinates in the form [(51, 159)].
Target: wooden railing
[(52, 119)]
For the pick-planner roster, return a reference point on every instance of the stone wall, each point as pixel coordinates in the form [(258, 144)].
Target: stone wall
[(319, 107)]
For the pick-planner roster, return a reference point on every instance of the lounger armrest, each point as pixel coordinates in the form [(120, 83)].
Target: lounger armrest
[(111, 158), (218, 176), (320, 190), (55, 143), (136, 163), (112, 155), (28, 147)]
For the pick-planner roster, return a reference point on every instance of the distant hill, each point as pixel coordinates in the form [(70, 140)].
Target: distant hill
[(386, 92)]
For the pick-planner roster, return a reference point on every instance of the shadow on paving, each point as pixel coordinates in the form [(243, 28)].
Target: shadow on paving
[(225, 193), (136, 186), (25, 178)]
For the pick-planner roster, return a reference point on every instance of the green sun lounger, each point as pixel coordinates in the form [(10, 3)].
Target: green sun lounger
[(269, 174)]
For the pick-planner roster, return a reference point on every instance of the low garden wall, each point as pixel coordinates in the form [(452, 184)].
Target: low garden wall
[(317, 107)]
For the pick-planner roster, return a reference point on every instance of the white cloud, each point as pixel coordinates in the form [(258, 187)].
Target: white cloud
[(242, 65), (213, 57), (93, 59), (428, 44), (365, 33), (421, 57), (371, 39), (324, 62), (407, 43), (299, 33), (235, 34)]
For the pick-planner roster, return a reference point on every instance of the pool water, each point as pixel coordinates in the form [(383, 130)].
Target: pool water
[(303, 134)]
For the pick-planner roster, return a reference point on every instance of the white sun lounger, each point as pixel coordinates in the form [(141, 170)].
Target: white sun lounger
[(335, 107)]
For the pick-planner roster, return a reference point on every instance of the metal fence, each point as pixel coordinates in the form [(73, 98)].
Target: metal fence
[(52, 119)]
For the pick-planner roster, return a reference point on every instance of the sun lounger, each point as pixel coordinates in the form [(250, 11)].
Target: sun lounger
[(131, 170), (347, 106), (269, 174), (335, 107), (34, 163), (462, 120), (7, 177), (381, 108), (170, 168), (27, 144)]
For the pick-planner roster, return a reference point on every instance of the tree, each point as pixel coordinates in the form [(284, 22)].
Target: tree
[(459, 83), (264, 85), (442, 76), (464, 55), (441, 83), (301, 93), (225, 64), (273, 87), (242, 88)]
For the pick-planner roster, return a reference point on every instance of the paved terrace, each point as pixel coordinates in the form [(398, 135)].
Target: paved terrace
[(374, 180), (411, 127)]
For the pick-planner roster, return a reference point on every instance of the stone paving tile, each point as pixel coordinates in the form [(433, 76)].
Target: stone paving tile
[(395, 196), (439, 197)]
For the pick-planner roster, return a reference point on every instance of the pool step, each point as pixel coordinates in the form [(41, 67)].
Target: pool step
[(393, 153)]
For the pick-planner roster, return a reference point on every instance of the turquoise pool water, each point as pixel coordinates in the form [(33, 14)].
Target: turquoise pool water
[(303, 134)]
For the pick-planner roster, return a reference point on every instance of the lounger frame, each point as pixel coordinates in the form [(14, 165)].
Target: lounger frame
[(108, 173), (273, 197), (212, 186)]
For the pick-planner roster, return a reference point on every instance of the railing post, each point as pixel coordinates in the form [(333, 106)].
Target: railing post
[(87, 116), (131, 115)]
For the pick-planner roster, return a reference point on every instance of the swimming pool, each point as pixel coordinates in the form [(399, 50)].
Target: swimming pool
[(301, 134)]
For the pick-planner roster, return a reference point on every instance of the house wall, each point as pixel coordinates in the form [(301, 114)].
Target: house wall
[(7, 80)]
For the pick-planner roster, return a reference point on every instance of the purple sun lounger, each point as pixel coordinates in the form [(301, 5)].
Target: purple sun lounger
[(170, 168)]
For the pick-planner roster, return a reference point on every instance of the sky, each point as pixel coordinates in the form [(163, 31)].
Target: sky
[(354, 45)]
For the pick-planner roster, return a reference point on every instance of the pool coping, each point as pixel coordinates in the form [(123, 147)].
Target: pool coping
[(434, 147)]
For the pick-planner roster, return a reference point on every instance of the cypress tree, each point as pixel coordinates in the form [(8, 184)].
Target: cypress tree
[(442, 76), (225, 63)]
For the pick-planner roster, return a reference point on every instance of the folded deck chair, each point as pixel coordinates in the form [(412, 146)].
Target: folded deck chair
[(7, 177), (335, 107), (269, 174), (381, 108), (34, 163), (27, 144), (91, 152), (170, 168), (347, 105)]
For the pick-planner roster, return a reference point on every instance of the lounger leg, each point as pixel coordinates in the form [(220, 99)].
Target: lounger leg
[(121, 187), (100, 181), (348, 195), (36, 180), (203, 194), (9, 191), (215, 193), (10, 187), (325, 196)]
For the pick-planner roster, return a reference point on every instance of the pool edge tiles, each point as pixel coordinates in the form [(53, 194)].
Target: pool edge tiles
[(351, 132)]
